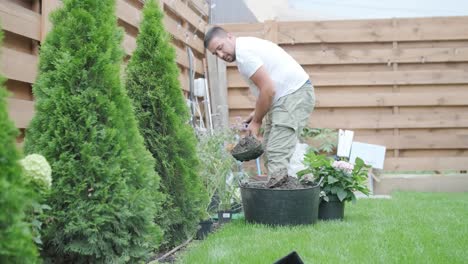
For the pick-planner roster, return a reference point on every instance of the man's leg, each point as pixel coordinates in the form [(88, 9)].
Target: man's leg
[(288, 116), (281, 143), (266, 135)]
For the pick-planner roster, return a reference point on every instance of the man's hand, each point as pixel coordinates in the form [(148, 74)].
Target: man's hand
[(254, 128), (248, 119)]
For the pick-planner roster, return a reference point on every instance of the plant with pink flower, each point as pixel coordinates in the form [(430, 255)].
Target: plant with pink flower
[(343, 165), (340, 178)]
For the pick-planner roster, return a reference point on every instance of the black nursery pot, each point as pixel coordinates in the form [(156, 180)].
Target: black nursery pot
[(280, 207), (205, 229), (224, 216), (291, 258), (331, 210)]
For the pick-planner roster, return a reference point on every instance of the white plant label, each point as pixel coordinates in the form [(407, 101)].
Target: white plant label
[(345, 139), (226, 215), (373, 155)]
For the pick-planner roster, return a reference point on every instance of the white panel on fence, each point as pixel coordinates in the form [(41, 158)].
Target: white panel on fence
[(373, 155)]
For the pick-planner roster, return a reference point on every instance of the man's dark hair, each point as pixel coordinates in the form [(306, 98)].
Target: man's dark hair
[(213, 32)]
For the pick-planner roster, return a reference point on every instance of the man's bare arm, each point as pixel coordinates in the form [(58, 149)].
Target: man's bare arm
[(266, 93), (266, 89)]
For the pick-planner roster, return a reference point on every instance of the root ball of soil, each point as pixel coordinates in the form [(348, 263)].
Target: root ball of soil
[(248, 148)]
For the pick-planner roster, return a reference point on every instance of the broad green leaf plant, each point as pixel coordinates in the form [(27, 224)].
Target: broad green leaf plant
[(321, 140), (340, 178)]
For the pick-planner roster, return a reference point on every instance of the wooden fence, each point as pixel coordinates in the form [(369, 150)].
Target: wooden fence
[(25, 24), (402, 83)]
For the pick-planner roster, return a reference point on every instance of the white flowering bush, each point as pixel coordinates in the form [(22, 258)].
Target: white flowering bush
[(38, 174), (37, 170)]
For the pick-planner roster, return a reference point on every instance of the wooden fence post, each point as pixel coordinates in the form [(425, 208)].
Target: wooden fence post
[(47, 7), (218, 91)]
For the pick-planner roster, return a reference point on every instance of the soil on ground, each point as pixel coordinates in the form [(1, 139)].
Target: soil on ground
[(291, 183)]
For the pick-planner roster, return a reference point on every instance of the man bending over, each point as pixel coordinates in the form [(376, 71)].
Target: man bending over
[(285, 95)]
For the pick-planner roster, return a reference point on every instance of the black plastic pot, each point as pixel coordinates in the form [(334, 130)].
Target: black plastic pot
[(280, 207), (331, 210), (205, 229), (224, 216), (291, 258)]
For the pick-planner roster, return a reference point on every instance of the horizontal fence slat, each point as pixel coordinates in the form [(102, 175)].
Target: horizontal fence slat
[(19, 90), (389, 78), (243, 99), (365, 56), (382, 121), (202, 6), (423, 140), (182, 34), (20, 20), (128, 13), (372, 78), (20, 111), (18, 65), (390, 99), (425, 163), (246, 30), (188, 14), (382, 30), (389, 121)]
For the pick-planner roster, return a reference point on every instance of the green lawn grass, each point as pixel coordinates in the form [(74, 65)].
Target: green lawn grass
[(409, 228)]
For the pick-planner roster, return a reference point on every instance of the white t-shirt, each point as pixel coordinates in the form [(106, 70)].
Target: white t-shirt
[(287, 75)]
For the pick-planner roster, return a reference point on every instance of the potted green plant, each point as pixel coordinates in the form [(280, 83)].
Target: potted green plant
[(229, 195), (339, 182), (216, 166)]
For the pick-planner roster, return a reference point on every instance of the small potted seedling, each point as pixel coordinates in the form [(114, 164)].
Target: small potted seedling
[(229, 195)]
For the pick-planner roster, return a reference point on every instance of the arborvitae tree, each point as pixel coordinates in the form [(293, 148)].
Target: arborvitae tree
[(16, 242), (104, 196), (152, 83)]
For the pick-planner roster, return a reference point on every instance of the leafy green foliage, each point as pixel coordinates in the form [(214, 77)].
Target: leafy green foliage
[(322, 140), (16, 243), (152, 83), (217, 166), (104, 195), (340, 178)]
